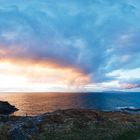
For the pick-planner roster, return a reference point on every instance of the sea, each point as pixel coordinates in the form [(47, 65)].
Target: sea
[(39, 103)]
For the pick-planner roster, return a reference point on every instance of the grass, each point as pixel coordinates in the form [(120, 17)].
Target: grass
[(75, 125), (4, 132), (129, 135), (106, 130), (96, 131)]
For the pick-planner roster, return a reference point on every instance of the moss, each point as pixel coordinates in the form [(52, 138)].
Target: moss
[(107, 130), (75, 124), (4, 132), (129, 135)]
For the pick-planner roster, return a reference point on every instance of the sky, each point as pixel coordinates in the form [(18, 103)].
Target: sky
[(76, 45)]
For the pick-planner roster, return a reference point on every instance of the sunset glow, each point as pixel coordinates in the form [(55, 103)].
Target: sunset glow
[(31, 76), (81, 45)]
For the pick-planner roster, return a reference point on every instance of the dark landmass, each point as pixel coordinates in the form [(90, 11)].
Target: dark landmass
[(130, 109), (71, 124), (6, 108)]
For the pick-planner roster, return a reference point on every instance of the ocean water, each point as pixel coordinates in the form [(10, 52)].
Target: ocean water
[(38, 103)]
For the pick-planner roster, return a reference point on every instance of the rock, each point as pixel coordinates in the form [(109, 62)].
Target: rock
[(64, 122), (6, 108), (16, 134), (30, 127)]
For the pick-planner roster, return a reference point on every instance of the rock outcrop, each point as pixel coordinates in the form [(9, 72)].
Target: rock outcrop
[(82, 124), (6, 108)]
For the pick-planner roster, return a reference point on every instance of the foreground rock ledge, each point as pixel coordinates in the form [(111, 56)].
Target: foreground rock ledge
[(6, 108), (77, 124)]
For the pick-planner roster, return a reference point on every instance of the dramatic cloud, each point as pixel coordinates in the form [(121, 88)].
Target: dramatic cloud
[(43, 76), (97, 38)]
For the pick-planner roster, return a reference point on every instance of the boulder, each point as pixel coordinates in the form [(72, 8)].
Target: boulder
[(6, 108)]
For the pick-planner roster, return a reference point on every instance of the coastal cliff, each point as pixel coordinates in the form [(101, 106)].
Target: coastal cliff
[(71, 124), (6, 108)]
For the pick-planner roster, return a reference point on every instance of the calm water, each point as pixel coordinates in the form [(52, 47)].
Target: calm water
[(37, 103)]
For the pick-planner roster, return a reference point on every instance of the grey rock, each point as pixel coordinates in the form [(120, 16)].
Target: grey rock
[(16, 134)]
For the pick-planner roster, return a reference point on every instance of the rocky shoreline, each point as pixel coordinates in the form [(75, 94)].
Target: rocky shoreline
[(69, 124), (6, 108)]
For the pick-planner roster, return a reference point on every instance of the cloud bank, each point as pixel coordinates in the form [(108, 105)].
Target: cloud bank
[(98, 37)]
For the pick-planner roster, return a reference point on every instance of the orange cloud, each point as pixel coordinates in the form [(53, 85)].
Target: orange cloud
[(26, 73), (19, 71)]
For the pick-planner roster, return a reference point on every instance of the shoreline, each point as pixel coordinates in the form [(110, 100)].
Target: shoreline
[(68, 123)]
